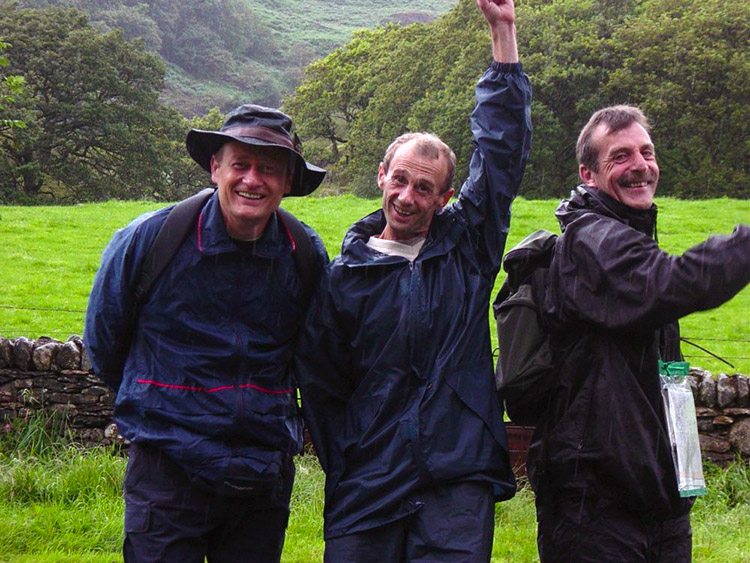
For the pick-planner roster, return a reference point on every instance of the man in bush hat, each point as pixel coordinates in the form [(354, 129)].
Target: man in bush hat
[(200, 363)]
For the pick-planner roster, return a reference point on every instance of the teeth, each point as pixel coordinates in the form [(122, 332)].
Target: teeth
[(402, 211), (248, 195)]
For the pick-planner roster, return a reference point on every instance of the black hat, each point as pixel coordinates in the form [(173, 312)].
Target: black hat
[(257, 125)]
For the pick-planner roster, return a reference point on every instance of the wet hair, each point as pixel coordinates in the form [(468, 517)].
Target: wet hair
[(615, 118), (428, 145)]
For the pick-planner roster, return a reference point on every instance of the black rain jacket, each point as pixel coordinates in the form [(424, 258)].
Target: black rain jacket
[(613, 300)]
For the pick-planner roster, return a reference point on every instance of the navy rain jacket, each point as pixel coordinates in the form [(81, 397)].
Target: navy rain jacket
[(613, 300), (395, 362), (206, 378)]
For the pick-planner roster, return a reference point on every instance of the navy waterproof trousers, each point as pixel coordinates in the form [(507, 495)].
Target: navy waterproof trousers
[(453, 522), (167, 518)]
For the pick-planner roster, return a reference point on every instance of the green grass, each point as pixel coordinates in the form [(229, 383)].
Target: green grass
[(62, 503), (50, 255)]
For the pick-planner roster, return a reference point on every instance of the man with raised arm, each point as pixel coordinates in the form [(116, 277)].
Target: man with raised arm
[(395, 362)]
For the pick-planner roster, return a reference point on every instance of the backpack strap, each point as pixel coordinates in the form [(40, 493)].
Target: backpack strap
[(180, 221), (168, 241), (303, 252)]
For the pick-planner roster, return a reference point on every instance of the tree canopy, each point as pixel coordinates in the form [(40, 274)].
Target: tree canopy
[(684, 62), (95, 128)]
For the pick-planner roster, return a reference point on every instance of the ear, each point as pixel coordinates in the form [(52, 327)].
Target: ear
[(214, 167), (381, 176), (446, 197), (289, 181), (587, 176)]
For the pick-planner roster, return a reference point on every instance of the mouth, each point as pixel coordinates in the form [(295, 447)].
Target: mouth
[(249, 195), (402, 212)]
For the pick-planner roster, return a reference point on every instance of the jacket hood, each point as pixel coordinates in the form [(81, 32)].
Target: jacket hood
[(585, 200)]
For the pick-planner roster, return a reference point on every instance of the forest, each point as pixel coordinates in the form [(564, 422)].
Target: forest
[(84, 114)]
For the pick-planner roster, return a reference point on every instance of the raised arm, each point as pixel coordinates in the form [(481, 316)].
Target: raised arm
[(501, 17), (501, 129)]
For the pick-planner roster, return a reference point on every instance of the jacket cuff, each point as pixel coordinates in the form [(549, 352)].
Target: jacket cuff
[(510, 68)]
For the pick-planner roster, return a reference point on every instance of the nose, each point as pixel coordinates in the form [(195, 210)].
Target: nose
[(406, 196), (639, 163), (251, 177)]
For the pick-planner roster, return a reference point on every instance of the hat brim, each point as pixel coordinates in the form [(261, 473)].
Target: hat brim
[(201, 145)]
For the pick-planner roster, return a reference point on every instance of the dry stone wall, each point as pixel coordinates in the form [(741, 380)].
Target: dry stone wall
[(56, 376)]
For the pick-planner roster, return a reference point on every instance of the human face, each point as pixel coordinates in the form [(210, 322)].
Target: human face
[(252, 180), (627, 166), (411, 192)]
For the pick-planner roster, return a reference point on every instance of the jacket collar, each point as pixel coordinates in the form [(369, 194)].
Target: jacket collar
[(442, 237), (585, 200), (213, 238)]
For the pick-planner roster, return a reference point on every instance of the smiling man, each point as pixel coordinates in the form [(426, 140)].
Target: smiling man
[(201, 365), (600, 461), (395, 362)]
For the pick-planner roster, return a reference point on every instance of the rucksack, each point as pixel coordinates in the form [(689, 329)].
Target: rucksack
[(180, 221), (524, 375)]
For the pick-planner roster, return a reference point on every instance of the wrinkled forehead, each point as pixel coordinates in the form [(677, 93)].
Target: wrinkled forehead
[(238, 149), (630, 138)]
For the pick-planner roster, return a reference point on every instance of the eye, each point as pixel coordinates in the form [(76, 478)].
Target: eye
[(399, 179), (620, 158), (648, 154)]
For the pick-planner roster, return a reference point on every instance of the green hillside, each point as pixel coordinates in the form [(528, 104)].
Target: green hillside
[(226, 52)]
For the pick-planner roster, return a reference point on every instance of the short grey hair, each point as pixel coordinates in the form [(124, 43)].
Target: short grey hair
[(615, 118), (428, 145)]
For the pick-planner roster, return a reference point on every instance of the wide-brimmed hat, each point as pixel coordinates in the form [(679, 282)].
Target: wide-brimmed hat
[(257, 125)]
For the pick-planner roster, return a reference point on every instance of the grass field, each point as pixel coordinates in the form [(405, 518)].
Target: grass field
[(63, 504), (50, 255)]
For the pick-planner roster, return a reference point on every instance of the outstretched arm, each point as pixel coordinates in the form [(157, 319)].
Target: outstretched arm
[(501, 17)]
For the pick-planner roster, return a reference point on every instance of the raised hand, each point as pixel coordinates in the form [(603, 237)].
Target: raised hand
[(501, 17)]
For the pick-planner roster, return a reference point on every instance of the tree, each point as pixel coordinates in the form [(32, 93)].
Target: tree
[(687, 66), (91, 105), (10, 87)]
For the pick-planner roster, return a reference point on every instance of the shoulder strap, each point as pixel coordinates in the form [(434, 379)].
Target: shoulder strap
[(171, 234), (303, 251)]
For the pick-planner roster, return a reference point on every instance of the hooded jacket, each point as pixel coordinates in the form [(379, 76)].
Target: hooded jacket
[(613, 300), (395, 362), (205, 377)]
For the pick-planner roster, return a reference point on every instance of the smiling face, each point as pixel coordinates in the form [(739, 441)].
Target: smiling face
[(626, 165), (412, 191), (252, 180)]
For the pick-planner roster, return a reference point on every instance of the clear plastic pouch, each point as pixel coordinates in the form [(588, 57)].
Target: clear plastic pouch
[(682, 425)]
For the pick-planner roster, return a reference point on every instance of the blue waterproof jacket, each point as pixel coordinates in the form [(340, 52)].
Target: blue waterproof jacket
[(203, 367), (395, 362)]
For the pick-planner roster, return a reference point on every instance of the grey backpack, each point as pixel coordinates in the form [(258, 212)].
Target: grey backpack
[(524, 375)]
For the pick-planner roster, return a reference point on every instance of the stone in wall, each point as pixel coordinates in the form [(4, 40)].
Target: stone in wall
[(23, 349), (739, 436), (726, 390), (743, 391), (707, 390), (43, 355), (69, 356), (6, 353)]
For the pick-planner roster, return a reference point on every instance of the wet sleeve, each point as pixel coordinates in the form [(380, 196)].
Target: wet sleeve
[(607, 276), (322, 362), (501, 132), (110, 315)]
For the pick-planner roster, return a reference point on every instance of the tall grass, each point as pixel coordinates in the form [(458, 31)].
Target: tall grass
[(62, 503), (50, 255)]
